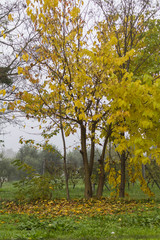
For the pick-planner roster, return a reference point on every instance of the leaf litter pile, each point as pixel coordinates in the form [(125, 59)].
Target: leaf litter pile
[(78, 208)]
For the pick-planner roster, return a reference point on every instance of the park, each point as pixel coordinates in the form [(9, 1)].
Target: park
[(34, 208), (90, 69)]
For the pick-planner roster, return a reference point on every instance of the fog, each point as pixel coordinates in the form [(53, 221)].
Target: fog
[(13, 133)]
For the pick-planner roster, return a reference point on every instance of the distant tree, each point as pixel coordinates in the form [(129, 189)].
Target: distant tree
[(75, 166), (152, 172), (51, 159), (7, 171), (41, 160), (30, 155), (4, 76), (74, 159)]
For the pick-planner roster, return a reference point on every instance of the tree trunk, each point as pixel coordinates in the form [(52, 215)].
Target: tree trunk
[(152, 177), (64, 148), (87, 177), (123, 175), (43, 166), (65, 160), (92, 153), (143, 171), (101, 181), (88, 185), (101, 178)]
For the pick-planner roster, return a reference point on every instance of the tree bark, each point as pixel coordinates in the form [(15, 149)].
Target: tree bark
[(101, 178), (123, 175), (65, 159), (143, 171), (92, 153), (152, 177), (101, 181), (87, 177)]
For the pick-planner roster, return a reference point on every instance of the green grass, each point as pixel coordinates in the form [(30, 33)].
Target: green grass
[(134, 192), (137, 225), (100, 227), (7, 192), (77, 192)]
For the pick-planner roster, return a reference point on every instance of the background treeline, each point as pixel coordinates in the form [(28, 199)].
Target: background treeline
[(50, 163)]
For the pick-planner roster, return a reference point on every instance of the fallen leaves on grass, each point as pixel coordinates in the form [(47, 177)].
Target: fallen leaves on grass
[(56, 208)]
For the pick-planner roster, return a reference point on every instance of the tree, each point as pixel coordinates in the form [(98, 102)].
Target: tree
[(75, 77), (134, 28), (30, 155), (40, 160), (7, 170), (15, 36), (74, 158), (86, 86), (51, 158)]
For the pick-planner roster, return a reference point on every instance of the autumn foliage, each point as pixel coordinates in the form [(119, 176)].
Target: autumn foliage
[(78, 208), (83, 79)]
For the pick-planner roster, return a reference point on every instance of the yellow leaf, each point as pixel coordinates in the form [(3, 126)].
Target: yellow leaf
[(54, 3), (68, 111), (78, 104), (4, 35), (67, 132), (3, 92), (75, 12), (95, 117), (29, 11), (139, 152), (82, 116), (146, 124), (2, 110), (25, 57), (33, 17), (10, 18), (28, 2), (20, 70)]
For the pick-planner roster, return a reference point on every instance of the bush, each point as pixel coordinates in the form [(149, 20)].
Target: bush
[(34, 186)]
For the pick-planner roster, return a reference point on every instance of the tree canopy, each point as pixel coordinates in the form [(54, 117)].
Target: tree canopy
[(101, 79)]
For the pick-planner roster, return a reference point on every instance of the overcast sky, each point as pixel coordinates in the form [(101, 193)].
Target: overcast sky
[(13, 134)]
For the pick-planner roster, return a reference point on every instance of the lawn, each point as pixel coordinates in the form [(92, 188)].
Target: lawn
[(79, 219)]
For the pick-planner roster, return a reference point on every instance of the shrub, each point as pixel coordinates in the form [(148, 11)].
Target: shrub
[(34, 186)]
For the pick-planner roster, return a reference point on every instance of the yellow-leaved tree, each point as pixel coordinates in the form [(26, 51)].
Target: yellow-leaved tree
[(80, 84), (134, 28)]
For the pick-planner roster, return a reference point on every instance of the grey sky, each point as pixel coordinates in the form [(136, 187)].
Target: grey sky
[(13, 134)]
